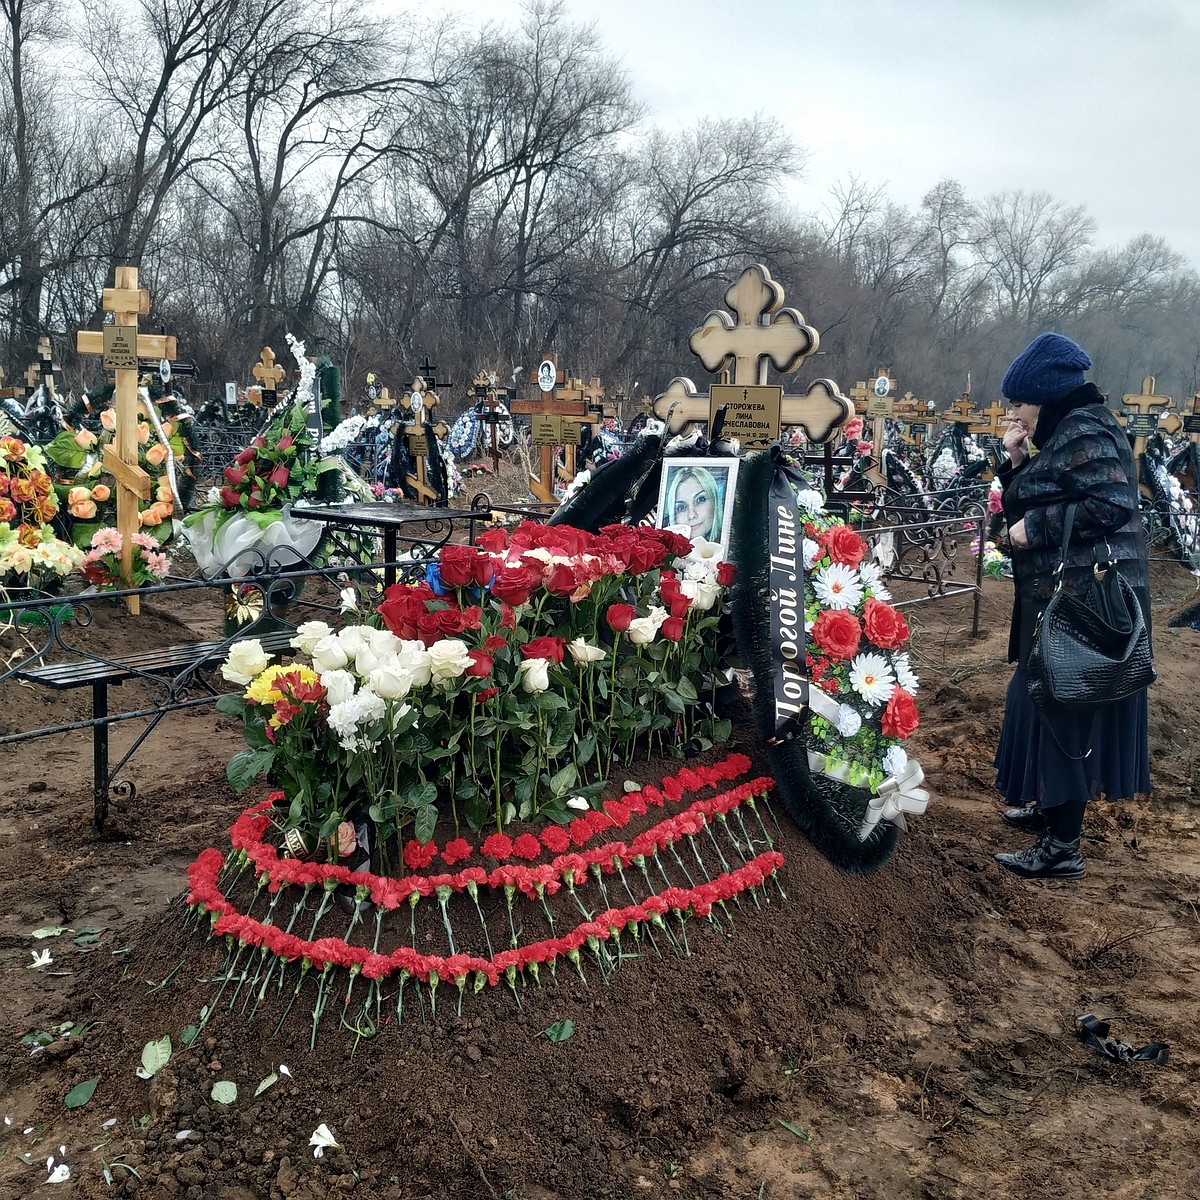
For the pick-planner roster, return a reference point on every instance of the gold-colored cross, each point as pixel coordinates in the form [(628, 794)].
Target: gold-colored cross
[(764, 332), (122, 346), (1139, 415), (268, 373)]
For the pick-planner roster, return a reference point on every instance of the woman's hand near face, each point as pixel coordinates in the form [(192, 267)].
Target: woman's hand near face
[(1016, 442)]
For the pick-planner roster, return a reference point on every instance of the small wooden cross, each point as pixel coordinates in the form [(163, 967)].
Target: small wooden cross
[(860, 393), (420, 404), (879, 409), (33, 376), (763, 333), (995, 422), (122, 346), (1191, 419), (960, 412), (269, 374), (1139, 415), (385, 399), (566, 401)]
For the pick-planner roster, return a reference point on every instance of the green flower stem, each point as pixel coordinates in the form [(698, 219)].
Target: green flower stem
[(304, 968), (473, 892), (443, 895)]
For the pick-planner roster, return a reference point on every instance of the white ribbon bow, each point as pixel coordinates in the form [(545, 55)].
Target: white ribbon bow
[(896, 796)]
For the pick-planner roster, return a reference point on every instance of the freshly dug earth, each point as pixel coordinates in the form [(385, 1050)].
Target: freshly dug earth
[(908, 1033)]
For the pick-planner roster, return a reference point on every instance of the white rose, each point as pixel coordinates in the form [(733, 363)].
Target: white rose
[(339, 686), (308, 635), (366, 661), (329, 654), (246, 661), (353, 638), (702, 593), (384, 643), (535, 674), (584, 652), (448, 659), (414, 658), (641, 630), (391, 681)]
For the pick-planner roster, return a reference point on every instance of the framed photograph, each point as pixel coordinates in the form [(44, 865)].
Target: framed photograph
[(696, 495)]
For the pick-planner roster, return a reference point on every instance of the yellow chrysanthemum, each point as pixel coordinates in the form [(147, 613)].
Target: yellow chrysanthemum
[(261, 690)]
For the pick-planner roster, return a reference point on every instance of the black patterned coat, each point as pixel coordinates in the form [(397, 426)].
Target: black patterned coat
[(1084, 459)]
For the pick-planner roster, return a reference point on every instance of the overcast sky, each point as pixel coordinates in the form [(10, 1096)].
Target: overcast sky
[(1093, 101)]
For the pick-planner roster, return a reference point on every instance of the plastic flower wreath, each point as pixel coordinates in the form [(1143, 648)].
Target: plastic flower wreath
[(30, 551), (102, 563), (856, 657)]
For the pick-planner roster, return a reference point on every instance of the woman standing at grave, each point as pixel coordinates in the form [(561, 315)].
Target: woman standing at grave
[(1065, 450)]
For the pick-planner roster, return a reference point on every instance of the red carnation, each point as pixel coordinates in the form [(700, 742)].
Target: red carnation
[(456, 851), (418, 856), (619, 616), (497, 846), (884, 625), (494, 643), (527, 846), (838, 633), (555, 839), (900, 715), (844, 545)]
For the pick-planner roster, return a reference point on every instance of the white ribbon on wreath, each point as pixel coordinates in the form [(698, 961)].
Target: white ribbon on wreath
[(895, 796)]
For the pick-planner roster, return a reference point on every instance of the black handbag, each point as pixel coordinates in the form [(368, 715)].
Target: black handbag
[(1092, 648)]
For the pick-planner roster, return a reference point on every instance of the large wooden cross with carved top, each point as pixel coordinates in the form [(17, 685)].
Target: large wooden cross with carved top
[(269, 375), (763, 333), (960, 413), (421, 403), (879, 405), (1139, 415), (122, 346)]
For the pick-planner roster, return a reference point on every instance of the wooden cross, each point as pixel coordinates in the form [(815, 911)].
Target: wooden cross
[(1191, 420), (960, 412), (547, 410), (913, 414), (879, 409), (269, 375), (1139, 415), (33, 375), (489, 395), (764, 332), (860, 393), (420, 404), (122, 346)]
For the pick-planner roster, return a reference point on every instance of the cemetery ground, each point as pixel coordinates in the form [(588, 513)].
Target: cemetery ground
[(908, 1033)]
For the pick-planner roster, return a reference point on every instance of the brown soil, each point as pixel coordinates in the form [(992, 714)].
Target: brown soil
[(906, 1034)]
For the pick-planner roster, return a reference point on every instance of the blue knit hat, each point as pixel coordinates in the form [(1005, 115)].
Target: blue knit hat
[(1050, 366)]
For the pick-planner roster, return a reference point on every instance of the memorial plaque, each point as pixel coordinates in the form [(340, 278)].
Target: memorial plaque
[(418, 445), (918, 427), (752, 412), (1191, 423), (120, 348), (880, 406), (1141, 424), (547, 429)]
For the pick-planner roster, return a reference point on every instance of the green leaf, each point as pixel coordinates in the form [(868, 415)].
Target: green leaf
[(224, 1091), (189, 1035), (81, 1093), (87, 939), (425, 823), (155, 1056), (586, 749), (563, 781), (39, 1037), (49, 931), (560, 1031), (804, 1137), (687, 691), (270, 1081), (233, 704), (246, 766), (66, 451)]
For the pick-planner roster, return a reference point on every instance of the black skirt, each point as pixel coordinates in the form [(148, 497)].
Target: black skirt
[(1032, 766)]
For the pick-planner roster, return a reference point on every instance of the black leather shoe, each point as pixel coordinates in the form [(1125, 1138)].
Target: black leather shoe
[(1030, 819), (1047, 858)]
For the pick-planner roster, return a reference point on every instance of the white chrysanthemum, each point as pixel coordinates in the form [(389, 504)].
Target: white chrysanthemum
[(848, 721), (837, 586), (872, 678), (812, 552), (871, 575), (895, 760), (906, 677), (811, 502)]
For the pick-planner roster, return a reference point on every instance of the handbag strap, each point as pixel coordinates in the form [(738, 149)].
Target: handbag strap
[(1068, 526)]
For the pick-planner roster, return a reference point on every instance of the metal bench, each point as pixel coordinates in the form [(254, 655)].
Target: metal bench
[(182, 664)]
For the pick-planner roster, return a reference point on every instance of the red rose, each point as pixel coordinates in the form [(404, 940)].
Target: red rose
[(844, 545), (244, 456), (486, 694), (456, 565), (672, 629), (668, 588), (679, 606), (725, 574), (494, 643), (619, 616), (494, 541), (514, 585), (561, 581), (884, 625), (280, 476), (837, 632), (545, 647), (230, 498), (481, 665), (234, 475), (900, 715)]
